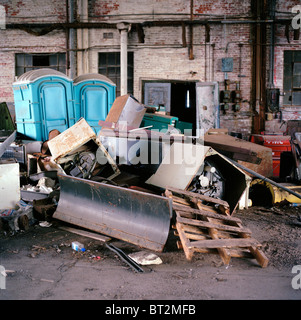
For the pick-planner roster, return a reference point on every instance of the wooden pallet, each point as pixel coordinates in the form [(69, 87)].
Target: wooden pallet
[(209, 228)]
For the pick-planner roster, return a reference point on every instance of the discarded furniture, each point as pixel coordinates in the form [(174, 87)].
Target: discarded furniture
[(204, 226), (43, 102), (94, 95)]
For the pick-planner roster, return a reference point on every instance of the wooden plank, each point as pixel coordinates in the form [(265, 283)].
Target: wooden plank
[(240, 253), (195, 230), (204, 207), (222, 209), (194, 236), (223, 253), (180, 201), (206, 213), (257, 253), (198, 196), (205, 224), (185, 242), (226, 243)]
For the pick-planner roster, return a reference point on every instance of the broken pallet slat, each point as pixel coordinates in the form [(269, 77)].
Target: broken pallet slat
[(198, 196), (185, 242), (209, 214), (217, 226), (213, 232), (256, 252), (226, 243)]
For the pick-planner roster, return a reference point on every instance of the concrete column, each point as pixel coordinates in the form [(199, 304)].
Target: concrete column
[(124, 29)]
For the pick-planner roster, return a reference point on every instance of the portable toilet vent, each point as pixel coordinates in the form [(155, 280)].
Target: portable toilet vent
[(94, 95), (43, 102)]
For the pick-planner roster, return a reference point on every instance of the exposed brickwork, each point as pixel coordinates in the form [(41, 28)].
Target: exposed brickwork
[(282, 44), (162, 55)]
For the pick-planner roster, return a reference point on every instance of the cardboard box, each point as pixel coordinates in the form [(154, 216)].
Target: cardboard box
[(127, 109)]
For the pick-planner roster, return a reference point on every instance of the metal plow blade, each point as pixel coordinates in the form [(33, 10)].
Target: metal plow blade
[(129, 215)]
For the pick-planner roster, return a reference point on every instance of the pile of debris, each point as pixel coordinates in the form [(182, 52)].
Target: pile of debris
[(133, 184)]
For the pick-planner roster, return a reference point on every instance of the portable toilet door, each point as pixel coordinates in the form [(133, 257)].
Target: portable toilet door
[(94, 95), (46, 96), (54, 102)]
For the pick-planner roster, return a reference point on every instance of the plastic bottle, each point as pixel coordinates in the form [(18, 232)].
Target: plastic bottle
[(77, 246)]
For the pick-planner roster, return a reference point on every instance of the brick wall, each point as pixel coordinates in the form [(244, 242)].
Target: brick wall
[(278, 123), (162, 55), (14, 41)]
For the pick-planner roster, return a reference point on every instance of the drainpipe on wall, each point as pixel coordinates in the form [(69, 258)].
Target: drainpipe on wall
[(272, 45), (82, 39), (72, 40), (123, 28), (260, 37)]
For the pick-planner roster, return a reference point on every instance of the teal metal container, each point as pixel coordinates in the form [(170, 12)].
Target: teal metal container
[(94, 95), (158, 121), (43, 102)]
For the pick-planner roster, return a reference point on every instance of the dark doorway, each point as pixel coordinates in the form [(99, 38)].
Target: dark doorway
[(183, 102), (178, 98)]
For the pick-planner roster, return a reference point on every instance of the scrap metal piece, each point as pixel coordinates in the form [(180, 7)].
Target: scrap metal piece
[(125, 258), (69, 141), (73, 141), (134, 216), (7, 143), (290, 191), (253, 156), (9, 183), (39, 175), (183, 165)]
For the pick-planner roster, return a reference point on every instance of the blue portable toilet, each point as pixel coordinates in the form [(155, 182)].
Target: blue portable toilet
[(94, 95), (43, 102)]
